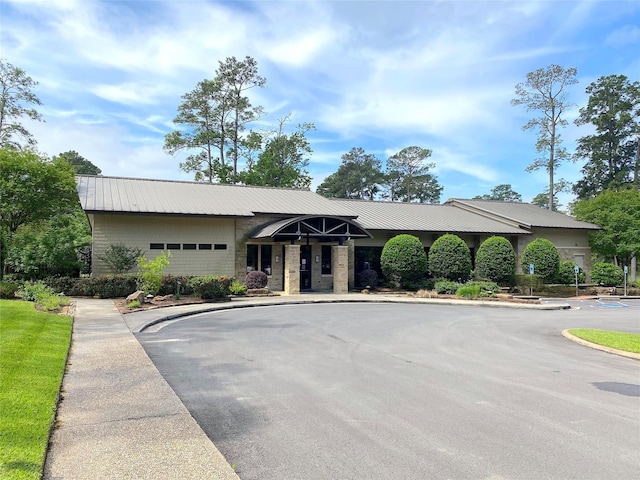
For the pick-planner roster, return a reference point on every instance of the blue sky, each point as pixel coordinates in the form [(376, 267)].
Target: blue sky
[(379, 75)]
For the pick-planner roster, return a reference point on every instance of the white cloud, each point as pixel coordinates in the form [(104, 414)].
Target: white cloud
[(626, 35)]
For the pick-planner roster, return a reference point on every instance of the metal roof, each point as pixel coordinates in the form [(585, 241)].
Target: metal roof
[(425, 217), (524, 214), (135, 195), (99, 194)]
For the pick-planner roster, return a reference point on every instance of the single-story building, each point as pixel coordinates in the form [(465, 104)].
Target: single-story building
[(301, 240)]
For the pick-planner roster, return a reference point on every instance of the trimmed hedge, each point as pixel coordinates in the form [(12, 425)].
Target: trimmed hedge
[(446, 287), (404, 260), (8, 289), (496, 260), (545, 258), (256, 279), (567, 274), (607, 274), (450, 258), (211, 287)]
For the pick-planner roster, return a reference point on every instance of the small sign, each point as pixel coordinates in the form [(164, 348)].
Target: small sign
[(576, 269), (531, 269), (626, 269)]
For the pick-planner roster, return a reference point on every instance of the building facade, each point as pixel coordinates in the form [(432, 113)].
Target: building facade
[(301, 240)]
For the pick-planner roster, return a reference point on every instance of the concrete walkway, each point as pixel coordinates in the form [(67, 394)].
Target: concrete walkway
[(119, 419)]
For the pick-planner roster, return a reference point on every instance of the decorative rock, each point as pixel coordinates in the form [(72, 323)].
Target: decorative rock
[(136, 296), (162, 298)]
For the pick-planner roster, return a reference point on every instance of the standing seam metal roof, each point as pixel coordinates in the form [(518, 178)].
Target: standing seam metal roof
[(132, 195), (524, 214)]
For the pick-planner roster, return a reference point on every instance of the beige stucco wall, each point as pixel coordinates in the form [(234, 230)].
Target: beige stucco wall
[(140, 231), (571, 244)]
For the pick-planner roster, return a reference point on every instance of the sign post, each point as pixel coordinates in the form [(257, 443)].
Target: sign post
[(626, 272), (576, 269), (531, 278)]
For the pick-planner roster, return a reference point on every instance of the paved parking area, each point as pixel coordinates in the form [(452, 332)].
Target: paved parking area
[(377, 391)]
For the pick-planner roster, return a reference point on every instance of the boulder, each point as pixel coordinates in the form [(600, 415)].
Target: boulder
[(136, 296)]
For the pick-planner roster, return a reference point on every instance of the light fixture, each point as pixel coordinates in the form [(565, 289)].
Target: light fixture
[(277, 258), (317, 258)]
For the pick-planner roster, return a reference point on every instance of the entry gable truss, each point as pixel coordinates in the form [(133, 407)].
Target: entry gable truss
[(312, 226)]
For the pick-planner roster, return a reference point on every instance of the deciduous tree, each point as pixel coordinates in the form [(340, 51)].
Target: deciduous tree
[(618, 214), (359, 176), (284, 160), (16, 94), (545, 91), (611, 152)]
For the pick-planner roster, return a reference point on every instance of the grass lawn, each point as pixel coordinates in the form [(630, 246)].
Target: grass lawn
[(629, 342), (33, 353)]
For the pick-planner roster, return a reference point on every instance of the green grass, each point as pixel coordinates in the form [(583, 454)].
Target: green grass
[(33, 353), (629, 342)]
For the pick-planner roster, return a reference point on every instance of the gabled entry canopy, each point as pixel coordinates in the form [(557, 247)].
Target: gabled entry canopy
[(312, 226)]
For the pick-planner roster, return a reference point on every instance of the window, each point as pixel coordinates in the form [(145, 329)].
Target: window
[(188, 246), (265, 259), (252, 258), (173, 246), (156, 246), (326, 259), (204, 246), (220, 246)]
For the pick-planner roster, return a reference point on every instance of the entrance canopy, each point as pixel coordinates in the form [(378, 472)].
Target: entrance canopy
[(312, 226)]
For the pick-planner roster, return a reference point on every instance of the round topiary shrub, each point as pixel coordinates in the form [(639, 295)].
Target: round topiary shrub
[(368, 278), (450, 258), (607, 274), (256, 279), (567, 273), (544, 256), (403, 259), (496, 260)]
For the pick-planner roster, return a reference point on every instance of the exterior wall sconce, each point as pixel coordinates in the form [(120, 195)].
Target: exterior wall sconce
[(277, 258), (317, 258)]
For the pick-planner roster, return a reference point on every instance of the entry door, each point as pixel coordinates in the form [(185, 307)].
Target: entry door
[(305, 267)]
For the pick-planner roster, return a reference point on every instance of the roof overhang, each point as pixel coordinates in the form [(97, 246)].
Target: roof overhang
[(321, 227)]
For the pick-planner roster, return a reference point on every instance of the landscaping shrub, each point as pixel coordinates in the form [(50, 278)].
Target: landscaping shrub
[(169, 285), (368, 278), (496, 260), (450, 258), (567, 275), (238, 288), (43, 295), (607, 274), (211, 287), (487, 288), (120, 259), (151, 272), (524, 282), (544, 256), (403, 259), (446, 287), (256, 279), (8, 289), (468, 291), (108, 286)]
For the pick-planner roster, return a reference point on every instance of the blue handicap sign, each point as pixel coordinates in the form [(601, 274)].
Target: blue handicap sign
[(531, 269), (576, 269)]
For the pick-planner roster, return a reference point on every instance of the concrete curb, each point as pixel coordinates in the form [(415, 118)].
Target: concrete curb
[(312, 300), (586, 343)]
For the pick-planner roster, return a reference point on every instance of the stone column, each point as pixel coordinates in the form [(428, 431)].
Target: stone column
[(340, 268), (291, 269)]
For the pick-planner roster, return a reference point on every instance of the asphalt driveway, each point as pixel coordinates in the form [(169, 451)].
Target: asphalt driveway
[(385, 391)]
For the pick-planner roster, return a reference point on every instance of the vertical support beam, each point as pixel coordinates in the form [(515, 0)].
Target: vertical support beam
[(340, 268), (291, 269)]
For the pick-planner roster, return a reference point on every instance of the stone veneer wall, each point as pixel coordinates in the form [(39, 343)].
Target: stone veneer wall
[(340, 268), (292, 269)]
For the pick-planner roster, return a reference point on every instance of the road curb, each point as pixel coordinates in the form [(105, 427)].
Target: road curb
[(300, 301), (586, 343)]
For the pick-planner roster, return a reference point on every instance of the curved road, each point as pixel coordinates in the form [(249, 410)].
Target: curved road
[(389, 391)]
